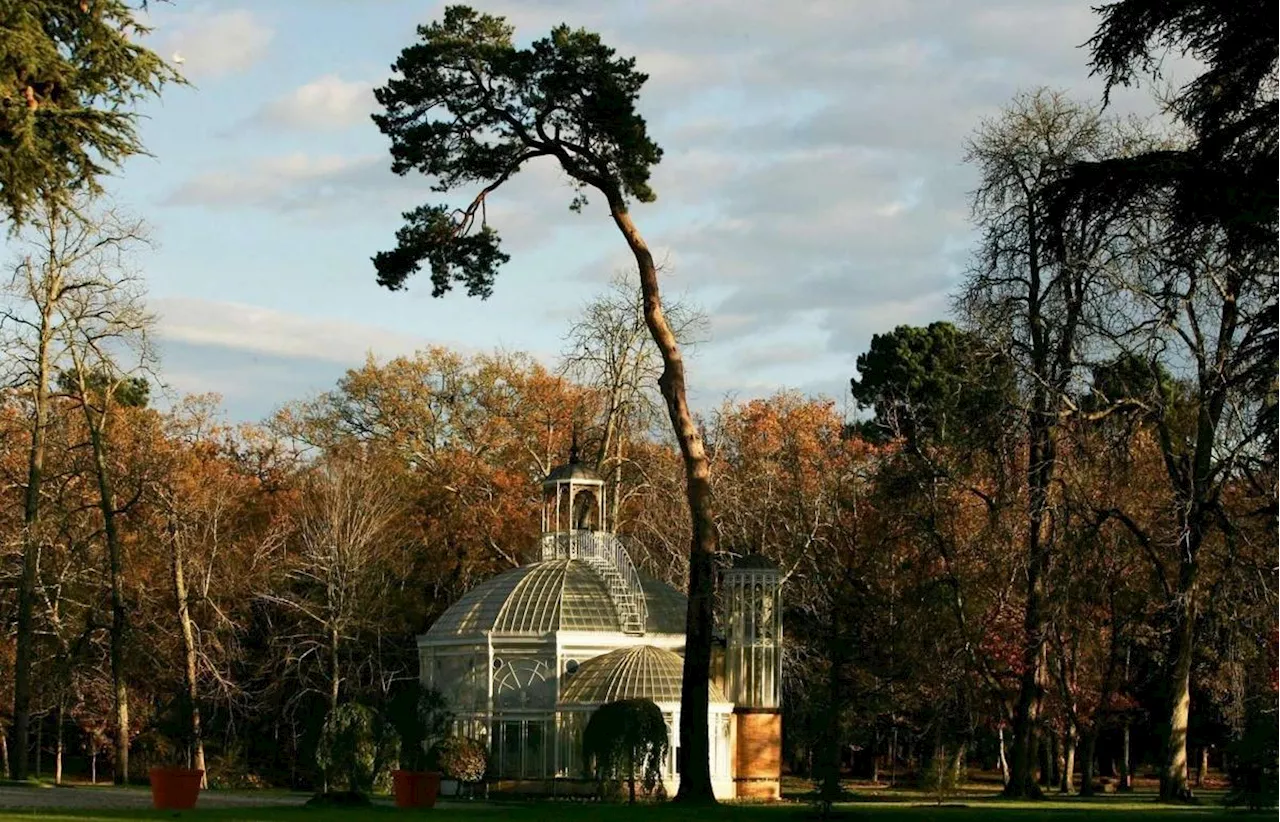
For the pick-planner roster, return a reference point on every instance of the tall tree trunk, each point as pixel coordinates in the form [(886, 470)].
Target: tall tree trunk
[(1203, 770), (1067, 783), (875, 755), (1087, 773), (1026, 716), (957, 766), (830, 754), (25, 656), (1004, 762), (4, 750), (1173, 776), (1126, 775), (695, 774), (59, 744), (335, 669), (115, 558), (189, 670)]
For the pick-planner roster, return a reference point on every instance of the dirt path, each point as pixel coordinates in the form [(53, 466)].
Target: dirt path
[(112, 798)]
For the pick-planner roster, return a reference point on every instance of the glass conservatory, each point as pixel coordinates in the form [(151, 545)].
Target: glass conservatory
[(526, 656)]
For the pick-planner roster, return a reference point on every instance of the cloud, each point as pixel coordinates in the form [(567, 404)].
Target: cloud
[(272, 333), (296, 182), (215, 44), (812, 187), (327, 103), (527, 210)]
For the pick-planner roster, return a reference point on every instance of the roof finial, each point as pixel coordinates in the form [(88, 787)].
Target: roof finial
[(573, 446)]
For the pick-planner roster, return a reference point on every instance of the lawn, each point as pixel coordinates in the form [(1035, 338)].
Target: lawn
[(897, 808)]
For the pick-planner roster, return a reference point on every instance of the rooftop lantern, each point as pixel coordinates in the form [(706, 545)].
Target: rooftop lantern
[(573, 506)]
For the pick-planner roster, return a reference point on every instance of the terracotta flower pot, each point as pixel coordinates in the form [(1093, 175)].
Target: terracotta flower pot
[(175, 789), (416, 789)]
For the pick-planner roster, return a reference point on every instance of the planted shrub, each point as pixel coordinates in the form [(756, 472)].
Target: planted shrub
[(421, 717), (460, 758), (939, 776), (356, 748), (626, 741)]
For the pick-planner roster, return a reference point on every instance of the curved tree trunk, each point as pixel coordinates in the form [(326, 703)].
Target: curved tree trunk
[(1004, 761), (695, 773), (189, 669)]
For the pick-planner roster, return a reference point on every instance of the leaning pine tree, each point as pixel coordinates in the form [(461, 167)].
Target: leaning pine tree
[(469, 110)]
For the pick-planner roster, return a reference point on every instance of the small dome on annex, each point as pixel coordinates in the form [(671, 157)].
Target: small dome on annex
[(642, 672), (524, 658)]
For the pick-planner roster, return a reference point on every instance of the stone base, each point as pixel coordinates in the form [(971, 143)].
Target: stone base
[(758, 765), (769, 790)]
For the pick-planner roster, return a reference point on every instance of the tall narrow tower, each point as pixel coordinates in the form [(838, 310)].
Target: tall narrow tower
[(752, 620)]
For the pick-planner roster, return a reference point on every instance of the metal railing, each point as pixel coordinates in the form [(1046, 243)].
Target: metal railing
[(603, 552)]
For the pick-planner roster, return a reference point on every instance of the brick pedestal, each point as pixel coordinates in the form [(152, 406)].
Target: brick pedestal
[(759, 753)]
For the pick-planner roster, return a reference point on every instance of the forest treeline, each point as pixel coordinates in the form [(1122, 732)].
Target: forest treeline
[(1045, 544), (263, 573)]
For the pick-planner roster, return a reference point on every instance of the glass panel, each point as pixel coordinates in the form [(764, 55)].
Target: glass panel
[(535, 766), (509, 747), (570, 740)]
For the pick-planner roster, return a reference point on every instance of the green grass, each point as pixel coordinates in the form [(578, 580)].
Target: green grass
[(901, 807)]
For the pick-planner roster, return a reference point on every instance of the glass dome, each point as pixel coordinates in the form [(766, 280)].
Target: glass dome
[(549, 596), (642, 672)]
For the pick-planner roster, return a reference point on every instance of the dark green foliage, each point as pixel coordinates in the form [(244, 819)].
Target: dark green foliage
[(70, 72), (626, 740), (459, 757), (470, 108), (1226, 178), (420, 717), (356, 747), (1252, 764), (130, 392), (933, 385)]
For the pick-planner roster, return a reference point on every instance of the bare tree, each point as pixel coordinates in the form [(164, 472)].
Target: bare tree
[(609, 349), (104, 333), (64, 277), (199, 499), (1195, 324), (343, 528), (1036, 307)]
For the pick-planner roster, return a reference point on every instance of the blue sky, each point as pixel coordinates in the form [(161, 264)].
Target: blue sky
[(811, 193)]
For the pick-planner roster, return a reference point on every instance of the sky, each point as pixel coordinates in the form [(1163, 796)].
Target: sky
[(812, 191)]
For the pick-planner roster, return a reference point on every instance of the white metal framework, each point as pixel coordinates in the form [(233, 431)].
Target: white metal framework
[(524, 658), (752, 621)]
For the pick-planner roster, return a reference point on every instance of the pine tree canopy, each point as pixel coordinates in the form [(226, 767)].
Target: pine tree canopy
[(71, 72)]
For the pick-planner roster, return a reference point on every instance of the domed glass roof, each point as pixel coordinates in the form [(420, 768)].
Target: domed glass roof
[(642, 672), (554, 595)]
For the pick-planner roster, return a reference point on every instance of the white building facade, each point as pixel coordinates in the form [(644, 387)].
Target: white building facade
[(525, 657)]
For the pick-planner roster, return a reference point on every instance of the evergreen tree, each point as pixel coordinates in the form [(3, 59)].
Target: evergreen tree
[(70, 73)]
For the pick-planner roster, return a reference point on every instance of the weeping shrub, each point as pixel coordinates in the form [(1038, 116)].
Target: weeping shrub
[(356, 747), (626, 740), (1251, 764)]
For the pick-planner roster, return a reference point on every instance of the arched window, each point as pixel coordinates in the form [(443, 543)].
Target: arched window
[(523, 682), (585, 510)]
